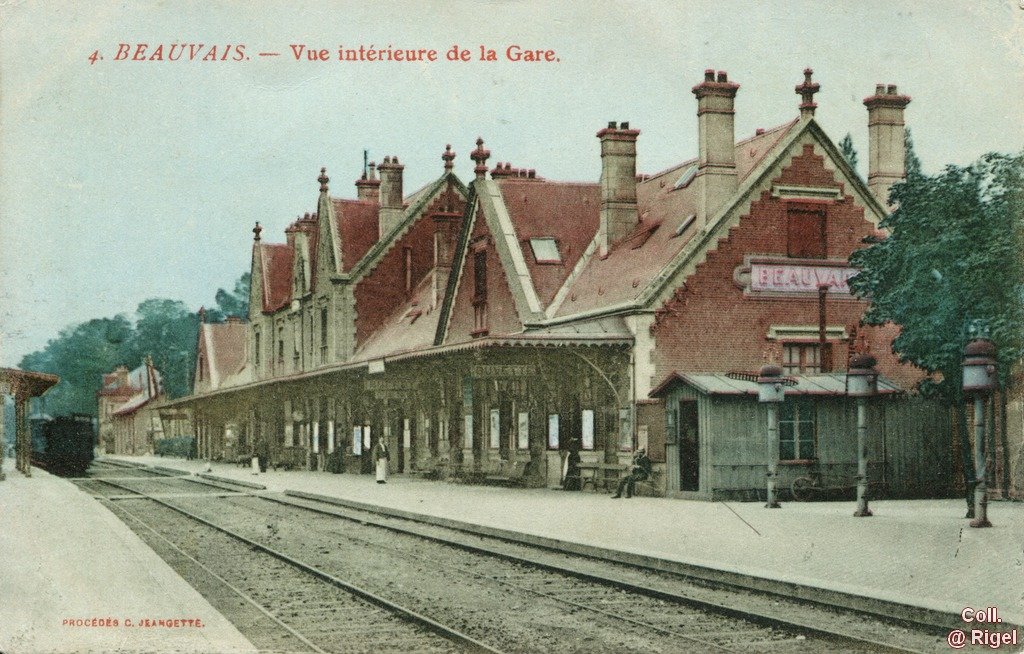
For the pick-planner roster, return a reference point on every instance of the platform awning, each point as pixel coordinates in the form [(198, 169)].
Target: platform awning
[(828, 384), (25, 382)]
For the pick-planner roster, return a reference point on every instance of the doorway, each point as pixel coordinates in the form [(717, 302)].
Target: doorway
[(689, 446)]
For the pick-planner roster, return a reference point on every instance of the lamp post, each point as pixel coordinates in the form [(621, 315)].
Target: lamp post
[(979, 381), (862, 383), (770, 392)]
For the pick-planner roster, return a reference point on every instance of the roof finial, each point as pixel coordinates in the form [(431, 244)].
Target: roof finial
[(806, 92), (323, 179), (256, 231), (448, 157), (480, 156), (202, 315)]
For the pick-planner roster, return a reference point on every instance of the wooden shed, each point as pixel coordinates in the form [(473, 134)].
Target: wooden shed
[(716, 439)]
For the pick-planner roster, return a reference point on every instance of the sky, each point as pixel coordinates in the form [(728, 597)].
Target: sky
[(124, 180)]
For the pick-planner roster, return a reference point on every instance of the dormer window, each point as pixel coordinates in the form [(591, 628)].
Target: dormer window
[(545, 250)]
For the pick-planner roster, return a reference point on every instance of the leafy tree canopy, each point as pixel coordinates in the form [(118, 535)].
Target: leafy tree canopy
[(231, 303), (848, 151), (951, 267)]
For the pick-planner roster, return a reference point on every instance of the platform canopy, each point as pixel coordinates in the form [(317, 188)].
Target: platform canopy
[(827, 383), (23, 385), (25, 382)]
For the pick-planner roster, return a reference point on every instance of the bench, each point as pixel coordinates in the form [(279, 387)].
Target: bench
[(507, 473), (605, 475), (291, 458)]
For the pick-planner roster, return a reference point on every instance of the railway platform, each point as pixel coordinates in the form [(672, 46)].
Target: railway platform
[(69, 568), (918, 553)]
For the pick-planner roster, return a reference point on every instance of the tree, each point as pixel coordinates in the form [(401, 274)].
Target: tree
[(166, 330), (80, 355), (951, 262), (848, 151), (231, 303)]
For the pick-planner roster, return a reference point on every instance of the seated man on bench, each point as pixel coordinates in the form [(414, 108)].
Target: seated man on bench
[(641, 472)]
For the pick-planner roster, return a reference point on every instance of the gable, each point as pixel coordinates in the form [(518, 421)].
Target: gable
[(826, 169), (393, 270), (479, 252)]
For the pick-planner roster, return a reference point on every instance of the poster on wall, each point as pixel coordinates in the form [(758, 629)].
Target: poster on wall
[(235, 232), (587, 428)]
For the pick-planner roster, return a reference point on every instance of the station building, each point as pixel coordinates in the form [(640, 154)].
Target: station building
[(479, 328), (128, 420)]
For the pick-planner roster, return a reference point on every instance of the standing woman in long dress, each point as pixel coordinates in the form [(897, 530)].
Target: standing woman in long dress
[(380, 458)]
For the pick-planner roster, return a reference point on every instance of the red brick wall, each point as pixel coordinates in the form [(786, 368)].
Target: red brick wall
[(501, 308), (712, 327), (382, 292)]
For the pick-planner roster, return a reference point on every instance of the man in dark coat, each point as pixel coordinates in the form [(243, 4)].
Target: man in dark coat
[(641, 472)]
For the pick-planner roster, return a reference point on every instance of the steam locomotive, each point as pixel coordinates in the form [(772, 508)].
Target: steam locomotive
[(63, 445)]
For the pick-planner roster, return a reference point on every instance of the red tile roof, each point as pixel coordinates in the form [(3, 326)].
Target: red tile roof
[(662, 208), (358, 227), (567, 212), (411, 327), (277, 275)]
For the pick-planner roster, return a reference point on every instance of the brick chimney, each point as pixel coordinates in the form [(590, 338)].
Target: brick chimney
[(368, 186), (392, 208), (886, 153), (716, 181), (618, 184)]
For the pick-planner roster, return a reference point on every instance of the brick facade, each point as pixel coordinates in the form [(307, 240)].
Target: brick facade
[(714, 325)]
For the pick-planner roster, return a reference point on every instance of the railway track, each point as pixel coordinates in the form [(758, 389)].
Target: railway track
[(296, 606), (549, 601)]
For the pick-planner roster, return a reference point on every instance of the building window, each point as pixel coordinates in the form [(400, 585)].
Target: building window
[(280, 347), (800, 358), (309, 342), (797, 427), (323, 335), (480, 293), (545, 250), (806, 232), (256, 349), (201, 366), (407, 268)]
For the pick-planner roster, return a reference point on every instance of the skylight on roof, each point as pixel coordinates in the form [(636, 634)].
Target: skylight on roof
[(687, 176), (545, 250), (683, 226)]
